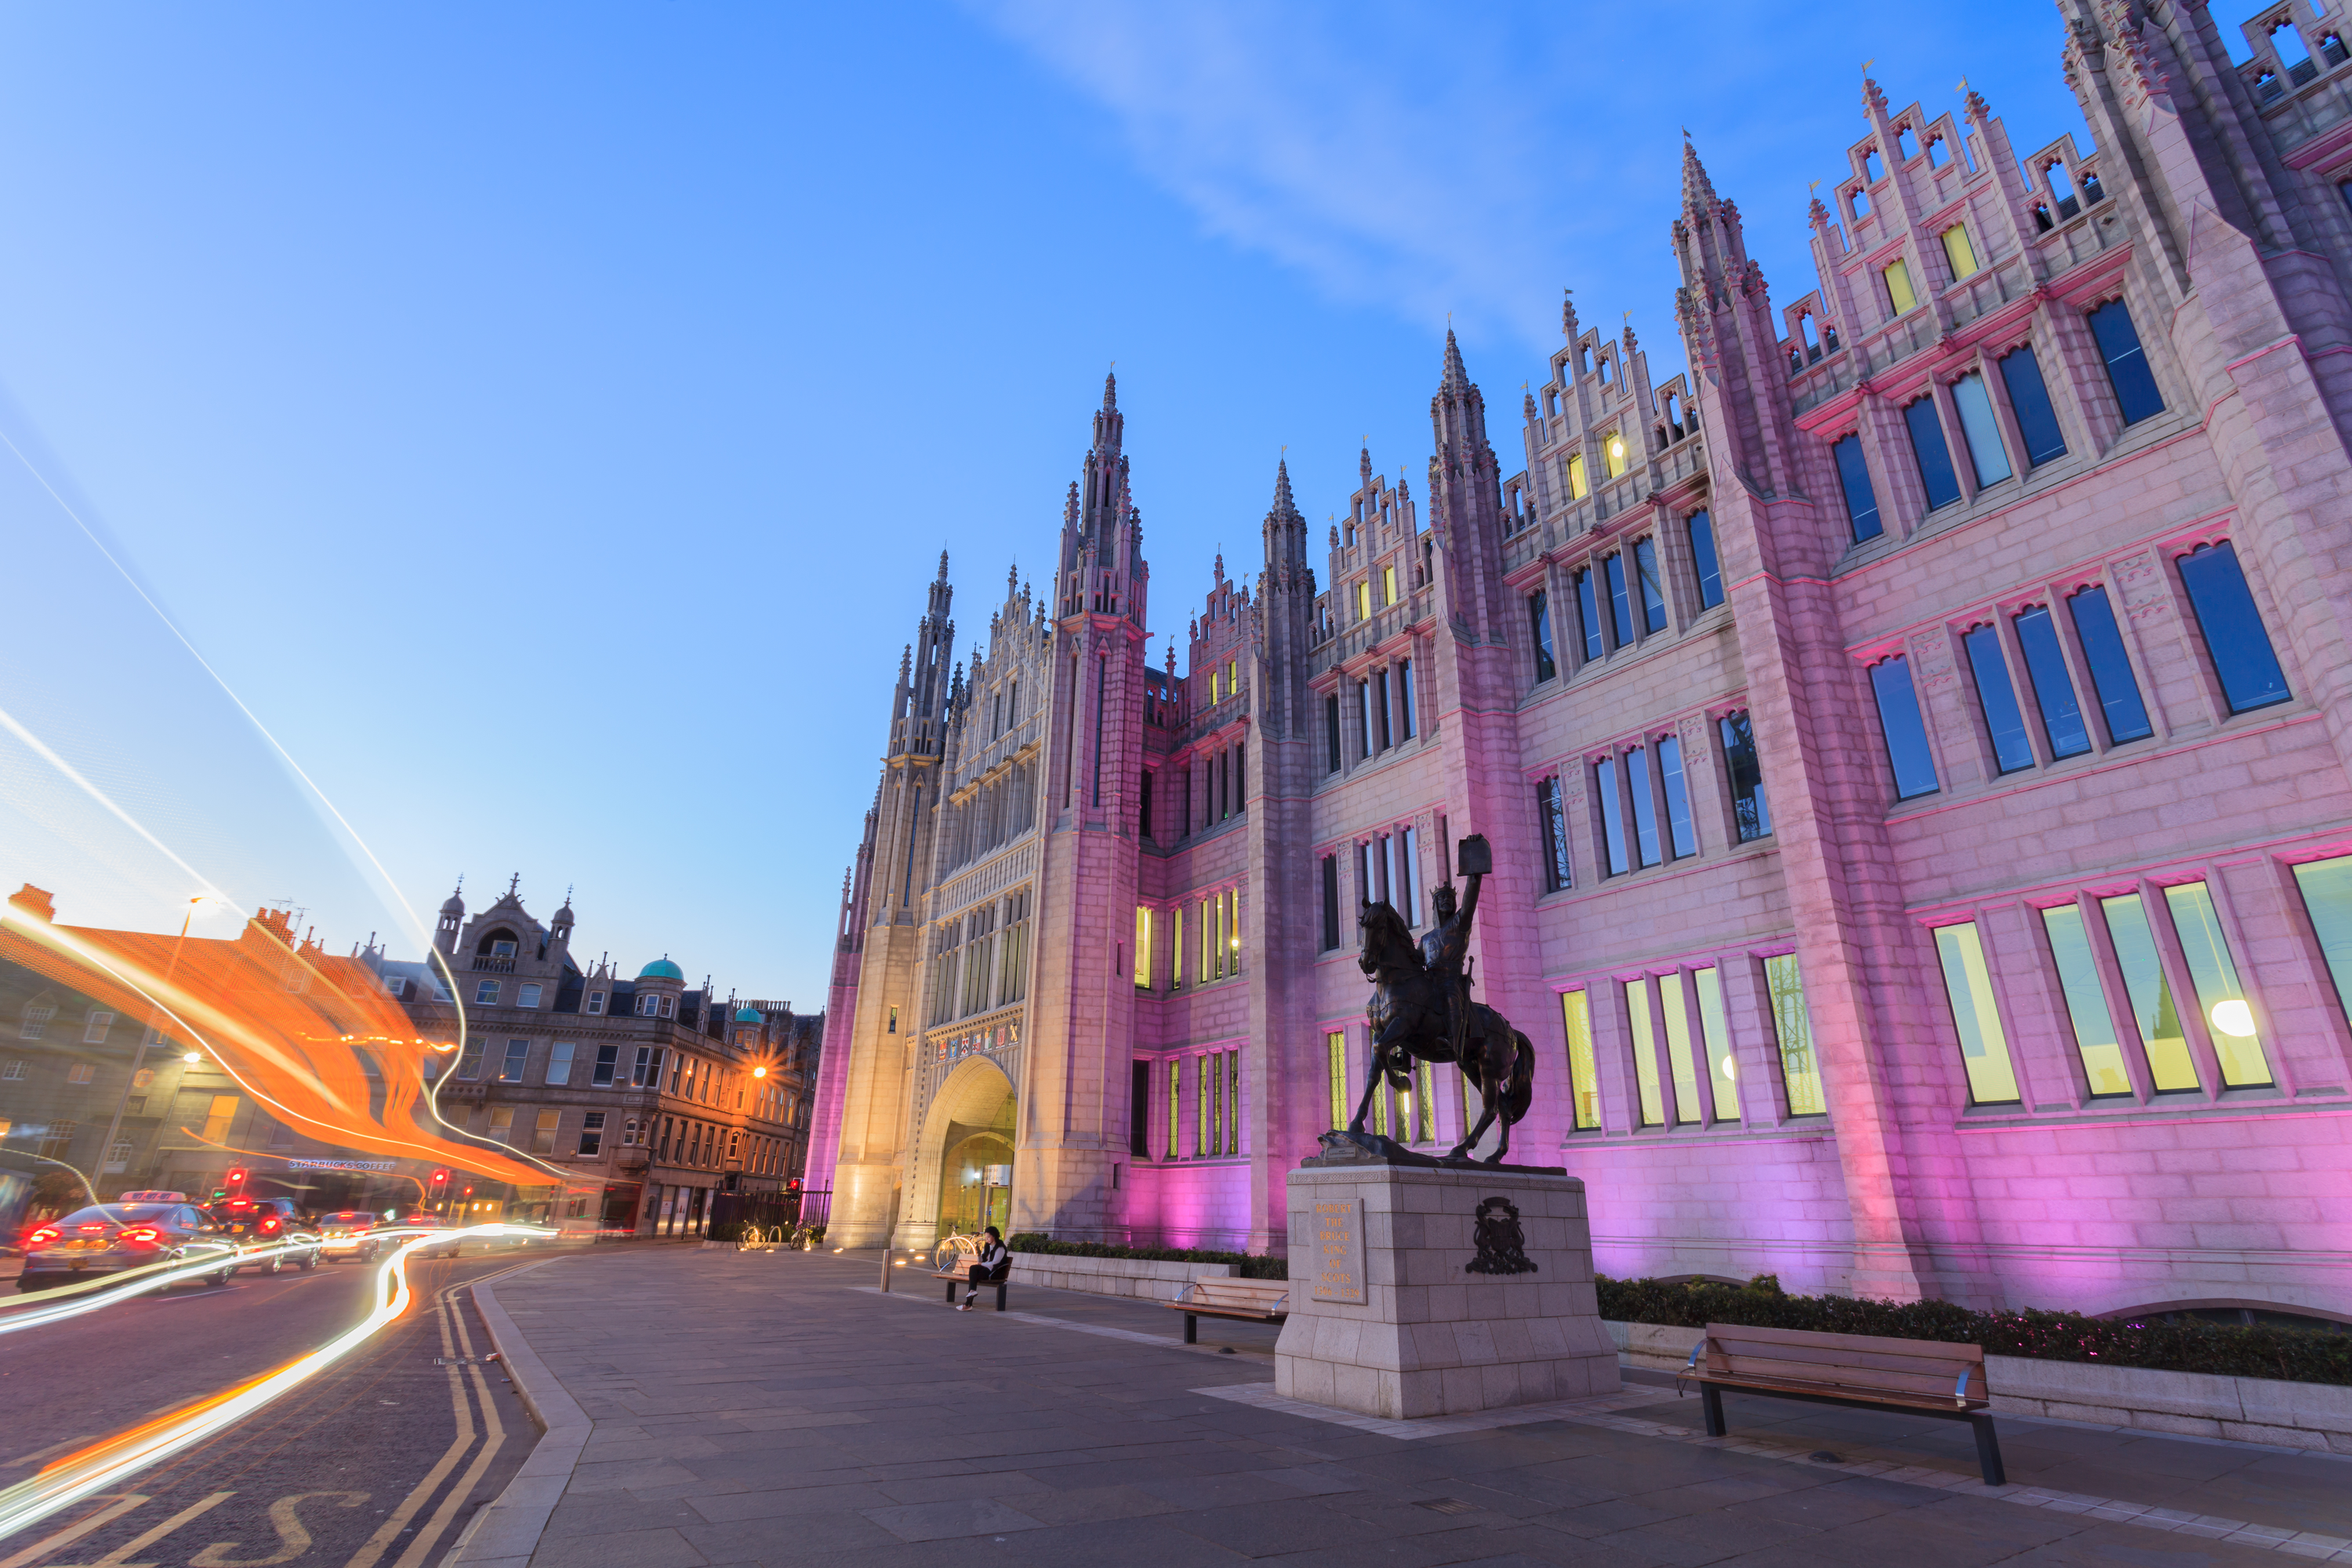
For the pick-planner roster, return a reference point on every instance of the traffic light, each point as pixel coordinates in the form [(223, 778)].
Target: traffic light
[(440, 1178), (236, 1178)]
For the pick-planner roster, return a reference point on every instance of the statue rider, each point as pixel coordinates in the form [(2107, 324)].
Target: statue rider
[(1443, 955)]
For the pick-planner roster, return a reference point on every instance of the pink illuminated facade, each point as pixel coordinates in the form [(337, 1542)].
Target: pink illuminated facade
[(1913, 744)]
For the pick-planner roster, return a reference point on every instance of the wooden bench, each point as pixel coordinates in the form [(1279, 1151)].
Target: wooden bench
[(1245, 1301), (960, 1273), (1918, 1377)]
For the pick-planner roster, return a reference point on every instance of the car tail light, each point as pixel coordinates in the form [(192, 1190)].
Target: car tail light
[(142, 1236), (269, 1224), (86, 1229), (43, 1237)]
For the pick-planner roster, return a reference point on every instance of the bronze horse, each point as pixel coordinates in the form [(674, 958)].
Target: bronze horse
[(1421, 1008)]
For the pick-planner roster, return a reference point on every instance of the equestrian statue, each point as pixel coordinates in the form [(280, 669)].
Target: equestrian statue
[(1421, 1008)]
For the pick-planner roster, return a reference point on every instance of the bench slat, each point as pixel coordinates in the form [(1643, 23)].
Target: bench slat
[(1891, 1354), (1861, 1368), (1849, 1395), (1881, 1344), (1926, 1385)]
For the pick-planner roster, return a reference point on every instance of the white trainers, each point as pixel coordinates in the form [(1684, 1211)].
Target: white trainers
[(965, 1308)]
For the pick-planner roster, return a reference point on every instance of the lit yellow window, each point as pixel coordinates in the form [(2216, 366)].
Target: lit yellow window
[(1583, 1083), (1576, 489), (1335, 1045), (1233, 677), (222, 1113), (1142, 947), (1388, 585), (1364, 600), (1898, 286), (1958, 251), (1614, 447), (1984, 1048), (1176, 953), (1216, 687)]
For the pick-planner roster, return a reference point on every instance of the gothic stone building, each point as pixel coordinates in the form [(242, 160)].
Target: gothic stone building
[(1913, 744), (645, 1096)]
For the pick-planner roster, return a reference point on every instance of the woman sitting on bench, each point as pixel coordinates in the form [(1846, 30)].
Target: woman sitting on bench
[(994, 1263)]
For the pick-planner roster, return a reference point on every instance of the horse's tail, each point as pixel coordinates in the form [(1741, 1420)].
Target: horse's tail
[(1522, 1092)]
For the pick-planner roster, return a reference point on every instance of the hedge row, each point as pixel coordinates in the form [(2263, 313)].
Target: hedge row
[(2294, 1356), (1244, 1264)]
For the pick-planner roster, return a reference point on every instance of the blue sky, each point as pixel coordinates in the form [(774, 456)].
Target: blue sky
[(546, 418)]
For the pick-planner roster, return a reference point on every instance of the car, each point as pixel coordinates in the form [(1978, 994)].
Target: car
[(404, 1230), (272, 1223), (107, 1238), (344, 1234)]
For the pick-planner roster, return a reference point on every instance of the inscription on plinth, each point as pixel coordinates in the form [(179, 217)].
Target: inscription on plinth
[(1339, 1251)]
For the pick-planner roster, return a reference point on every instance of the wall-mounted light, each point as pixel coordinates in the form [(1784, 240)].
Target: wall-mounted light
[(2234, 1018), (193, 1057)]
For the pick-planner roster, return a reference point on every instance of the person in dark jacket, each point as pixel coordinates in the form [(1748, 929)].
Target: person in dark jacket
[(993, 1264)]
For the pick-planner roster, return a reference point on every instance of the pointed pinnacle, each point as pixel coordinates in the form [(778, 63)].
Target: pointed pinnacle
[(1283, 505), (1698, 191), (1110, 391), (1456, 379)]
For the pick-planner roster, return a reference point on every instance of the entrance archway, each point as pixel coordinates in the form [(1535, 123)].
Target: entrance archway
[(963, 1158)]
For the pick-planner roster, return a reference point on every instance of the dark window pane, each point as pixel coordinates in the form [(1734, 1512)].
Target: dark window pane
[(1653, 596), (2111, 671), (1330, 733), (1621, 606), (1710, 573), (2127, 370), (2242, 655), (1404, 696), (1679, 832), (1539, 623), (2010, 749), (1587, 614), (1935, 458), (1330, 902), (2029, 399), (1550, 811), (1906, 733), (2053, 688), (1748, 811), (1861, 500), (1646, 807), (1613, 817)]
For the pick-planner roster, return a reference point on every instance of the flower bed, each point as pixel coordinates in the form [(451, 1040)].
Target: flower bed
[(2293, 1355)]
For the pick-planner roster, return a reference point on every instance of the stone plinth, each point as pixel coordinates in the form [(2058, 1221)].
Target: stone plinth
[(1411, 1329)]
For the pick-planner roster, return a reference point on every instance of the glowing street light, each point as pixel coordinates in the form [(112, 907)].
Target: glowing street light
[(193, 1057)]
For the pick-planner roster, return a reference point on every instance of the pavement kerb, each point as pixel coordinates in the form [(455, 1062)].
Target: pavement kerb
[(505, 1532)]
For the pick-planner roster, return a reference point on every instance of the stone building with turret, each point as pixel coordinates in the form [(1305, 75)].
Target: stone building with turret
[(641, 1098), (1910, 741)]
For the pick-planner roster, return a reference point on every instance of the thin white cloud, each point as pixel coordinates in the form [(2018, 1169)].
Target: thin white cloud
[(1394, 159)]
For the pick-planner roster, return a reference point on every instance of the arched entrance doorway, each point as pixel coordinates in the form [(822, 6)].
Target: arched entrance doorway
[(963, 1163)]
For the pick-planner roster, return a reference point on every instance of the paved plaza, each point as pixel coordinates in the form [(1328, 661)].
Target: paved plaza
[(796, 1415)]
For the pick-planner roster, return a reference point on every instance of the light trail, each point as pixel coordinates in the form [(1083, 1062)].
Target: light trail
[(112, 1460), (106, 1290)]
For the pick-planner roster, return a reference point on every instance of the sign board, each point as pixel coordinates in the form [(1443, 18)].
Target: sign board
[(1339, 1250), (338, 1164)]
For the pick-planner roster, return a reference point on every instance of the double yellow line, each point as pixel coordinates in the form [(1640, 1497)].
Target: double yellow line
[(112, 1460)]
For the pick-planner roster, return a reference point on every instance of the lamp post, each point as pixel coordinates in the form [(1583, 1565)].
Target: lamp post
[(154, 1029)]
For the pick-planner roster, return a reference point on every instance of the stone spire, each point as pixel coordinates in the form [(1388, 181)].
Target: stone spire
[(1455, 378), (1698, 191)]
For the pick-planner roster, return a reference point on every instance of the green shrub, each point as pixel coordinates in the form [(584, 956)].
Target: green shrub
[(728, 1230), (1245, 1265), (2293, 1355)]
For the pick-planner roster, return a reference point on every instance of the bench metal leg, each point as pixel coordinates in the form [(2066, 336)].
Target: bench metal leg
[(1191, 1330), (1000, 1295), (952, 1285), (1988, 1450), (1710, 1401)]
